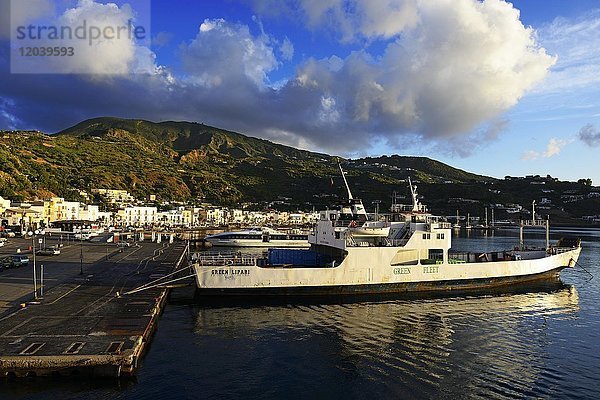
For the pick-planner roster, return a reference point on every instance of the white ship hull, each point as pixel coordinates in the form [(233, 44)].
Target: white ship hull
[(369, 270), (409, 254)]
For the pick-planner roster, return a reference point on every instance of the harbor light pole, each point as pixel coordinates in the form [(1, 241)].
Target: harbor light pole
[(81, 251), (81, 257), (33, 235)]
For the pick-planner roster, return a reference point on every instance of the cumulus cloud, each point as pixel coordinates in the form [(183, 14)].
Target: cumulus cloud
[(463, 63), (108, 56), (224, 53), (103, 38), (589, 135), (22, 12), (448, 68), (553, 148), (349, 20)]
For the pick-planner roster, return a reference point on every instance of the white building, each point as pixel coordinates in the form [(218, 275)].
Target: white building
[(176, 217), (105, 218), (216, 216), (89, 212), (61, 210), (236, 215), (137, 216), (4, 204)]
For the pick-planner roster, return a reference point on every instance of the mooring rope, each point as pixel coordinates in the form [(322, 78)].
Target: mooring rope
[(158, 282), (583, 268)]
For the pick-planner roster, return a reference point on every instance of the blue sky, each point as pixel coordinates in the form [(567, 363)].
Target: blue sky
[(491, 87)]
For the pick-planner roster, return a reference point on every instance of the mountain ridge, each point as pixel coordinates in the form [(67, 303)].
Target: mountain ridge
[(188, 161)]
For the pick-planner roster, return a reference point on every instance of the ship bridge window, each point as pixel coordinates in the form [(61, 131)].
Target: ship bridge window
[(440, 235), (432, 256), (426, 236)]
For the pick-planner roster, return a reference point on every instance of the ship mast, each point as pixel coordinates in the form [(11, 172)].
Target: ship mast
[(345, 182), (413, 193)]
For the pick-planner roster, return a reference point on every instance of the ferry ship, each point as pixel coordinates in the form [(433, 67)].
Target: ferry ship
[(259, 237), (414, 254)]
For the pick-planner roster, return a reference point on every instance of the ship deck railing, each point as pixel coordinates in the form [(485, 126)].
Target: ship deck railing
[(225, 259), (559, 250)]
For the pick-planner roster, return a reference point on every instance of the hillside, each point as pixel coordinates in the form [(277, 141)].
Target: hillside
[(194, 162)]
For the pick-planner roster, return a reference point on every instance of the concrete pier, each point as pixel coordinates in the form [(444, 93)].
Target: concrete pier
[(81, 326)]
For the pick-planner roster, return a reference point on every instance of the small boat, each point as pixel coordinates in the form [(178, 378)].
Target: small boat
[(414, 255), (259, 237)]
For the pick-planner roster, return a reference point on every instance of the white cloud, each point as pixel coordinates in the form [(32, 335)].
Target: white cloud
[(21, 12), (329, 112), (553, 148), (462, 64), (348, 19), (530, 155), (224, 53), (448, 71), (111, 56), (287, 49), (102, 38)]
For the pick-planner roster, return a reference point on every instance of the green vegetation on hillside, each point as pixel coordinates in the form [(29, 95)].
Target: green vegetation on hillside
[(194, 162)]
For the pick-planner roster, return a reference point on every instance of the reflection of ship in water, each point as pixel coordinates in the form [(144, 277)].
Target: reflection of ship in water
[(447, 344)]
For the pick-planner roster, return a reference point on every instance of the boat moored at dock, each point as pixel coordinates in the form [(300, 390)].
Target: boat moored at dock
[(413, 254), (259, 237)]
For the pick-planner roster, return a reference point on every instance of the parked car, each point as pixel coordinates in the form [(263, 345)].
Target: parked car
[(7, 233), (17, 260), (49, 251), (123, 244)]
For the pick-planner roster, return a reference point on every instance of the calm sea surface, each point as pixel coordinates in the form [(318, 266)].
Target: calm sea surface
[(543, 343)]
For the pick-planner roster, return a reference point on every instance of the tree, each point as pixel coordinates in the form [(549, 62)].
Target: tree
[(585, 182)]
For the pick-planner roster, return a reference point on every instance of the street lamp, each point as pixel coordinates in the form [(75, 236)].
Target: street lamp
[(33, 234), (81, 251)]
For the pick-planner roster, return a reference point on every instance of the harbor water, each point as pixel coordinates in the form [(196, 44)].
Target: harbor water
[(534, 342)]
